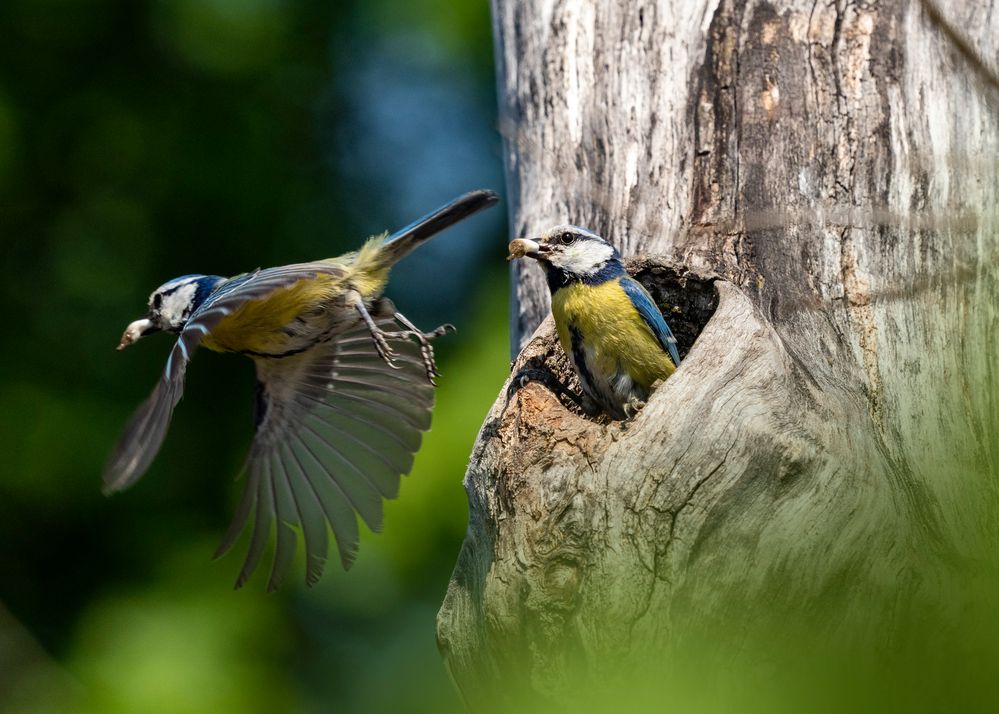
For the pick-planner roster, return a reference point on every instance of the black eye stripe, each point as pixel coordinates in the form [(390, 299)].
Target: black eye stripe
[(157, 300)]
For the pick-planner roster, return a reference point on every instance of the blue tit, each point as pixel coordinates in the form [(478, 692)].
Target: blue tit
[(344, 390), (614, 335)]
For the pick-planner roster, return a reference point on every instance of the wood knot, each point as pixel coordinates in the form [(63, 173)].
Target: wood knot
[(562, 579)]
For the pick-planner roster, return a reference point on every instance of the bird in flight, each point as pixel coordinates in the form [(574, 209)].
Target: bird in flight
[(345, 387)]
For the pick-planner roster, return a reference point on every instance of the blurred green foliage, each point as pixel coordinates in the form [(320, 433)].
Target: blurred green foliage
[(140, 140)]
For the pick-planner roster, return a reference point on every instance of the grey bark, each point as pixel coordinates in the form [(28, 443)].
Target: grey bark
[(827, 174)]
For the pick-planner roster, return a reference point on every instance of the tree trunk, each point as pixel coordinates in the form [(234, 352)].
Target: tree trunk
[(814, 188)]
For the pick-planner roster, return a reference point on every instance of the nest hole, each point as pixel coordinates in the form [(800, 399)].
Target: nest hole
[(687, 299)]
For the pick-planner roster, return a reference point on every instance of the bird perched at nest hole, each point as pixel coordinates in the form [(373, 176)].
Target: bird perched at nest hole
[(344, 389), (610, 328)]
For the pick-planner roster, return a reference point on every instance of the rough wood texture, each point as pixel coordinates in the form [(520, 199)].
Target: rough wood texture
[(836, 165)]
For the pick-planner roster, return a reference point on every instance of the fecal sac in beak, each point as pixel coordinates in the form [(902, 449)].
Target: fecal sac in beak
[(134, 331), (523, 246)]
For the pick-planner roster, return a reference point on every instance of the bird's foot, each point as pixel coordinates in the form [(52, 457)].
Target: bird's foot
[(383, 307), (424, 339), (385, 350), (633, 406)]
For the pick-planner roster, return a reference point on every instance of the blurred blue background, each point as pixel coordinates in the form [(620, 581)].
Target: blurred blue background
[(144, 140)]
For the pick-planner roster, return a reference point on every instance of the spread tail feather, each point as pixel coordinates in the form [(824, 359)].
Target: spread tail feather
[(403, 242)]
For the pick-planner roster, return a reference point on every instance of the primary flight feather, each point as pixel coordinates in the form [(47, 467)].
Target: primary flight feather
[(345, 386)]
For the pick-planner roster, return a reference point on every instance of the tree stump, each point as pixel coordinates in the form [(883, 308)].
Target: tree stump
[(813, 191)]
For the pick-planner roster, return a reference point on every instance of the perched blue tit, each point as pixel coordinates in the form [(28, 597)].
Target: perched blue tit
[(610, 328), (344, 390)]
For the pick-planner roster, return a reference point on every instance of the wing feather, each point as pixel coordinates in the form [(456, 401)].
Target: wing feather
[(339, 428), (261, 522), (367, 417), (243, 511), (313, 520), (288, 515), (378, 470), (646, 307), (144, 433), (362, 494), (377, 384), (358, 433), (416, 419), (336, 506)]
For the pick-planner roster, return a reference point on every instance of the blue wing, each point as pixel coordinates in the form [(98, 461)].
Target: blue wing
[(646, 307)]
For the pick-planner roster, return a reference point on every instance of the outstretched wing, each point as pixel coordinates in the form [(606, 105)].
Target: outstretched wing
[(336, 427), (646, 307), (145, 431)]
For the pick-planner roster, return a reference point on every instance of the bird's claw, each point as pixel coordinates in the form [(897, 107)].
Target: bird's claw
[(633, 406), (385, 351), (424, 339), (427, 350)]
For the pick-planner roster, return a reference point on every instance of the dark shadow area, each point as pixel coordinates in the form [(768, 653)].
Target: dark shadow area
[(686, 298)]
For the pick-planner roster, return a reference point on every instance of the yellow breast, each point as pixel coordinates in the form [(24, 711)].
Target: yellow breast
[(612, 329), (259, 325)]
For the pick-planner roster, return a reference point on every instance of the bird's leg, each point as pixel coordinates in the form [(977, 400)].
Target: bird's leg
[(424, 338), (377, 334)]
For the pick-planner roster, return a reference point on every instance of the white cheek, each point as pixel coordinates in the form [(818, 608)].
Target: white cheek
[(175, 304), (586, 257)]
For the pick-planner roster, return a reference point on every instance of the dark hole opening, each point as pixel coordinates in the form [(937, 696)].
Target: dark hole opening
[(687, 299)]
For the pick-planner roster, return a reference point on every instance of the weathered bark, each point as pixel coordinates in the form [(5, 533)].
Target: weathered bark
[(834, 166)]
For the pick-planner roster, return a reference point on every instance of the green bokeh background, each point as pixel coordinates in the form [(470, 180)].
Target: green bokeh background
[(144, 140)]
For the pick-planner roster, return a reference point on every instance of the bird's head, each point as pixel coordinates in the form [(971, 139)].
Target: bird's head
[(574, 251), (170, 305)]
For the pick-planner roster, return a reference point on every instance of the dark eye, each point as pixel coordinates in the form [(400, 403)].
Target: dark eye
[(157, 301), (567, 238)]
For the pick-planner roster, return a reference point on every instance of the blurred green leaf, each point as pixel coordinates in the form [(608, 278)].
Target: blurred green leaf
[(223, 36), (188, 645)]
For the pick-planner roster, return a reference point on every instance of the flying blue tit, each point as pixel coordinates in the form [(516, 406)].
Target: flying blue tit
[(344, 390), (610, 328)]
